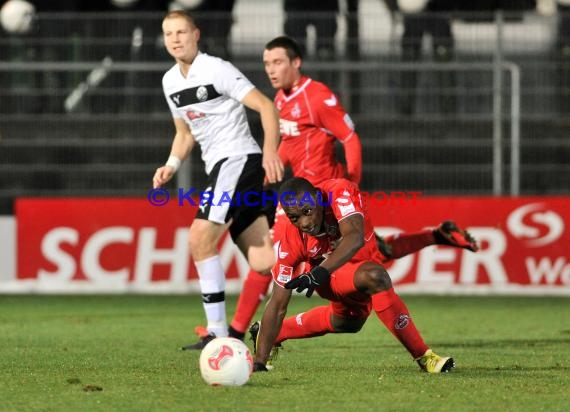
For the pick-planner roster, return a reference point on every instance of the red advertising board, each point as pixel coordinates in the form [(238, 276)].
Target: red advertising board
[(115, 244), (523, 244)]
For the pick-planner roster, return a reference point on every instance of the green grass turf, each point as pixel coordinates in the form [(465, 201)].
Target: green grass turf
[(512, 354)]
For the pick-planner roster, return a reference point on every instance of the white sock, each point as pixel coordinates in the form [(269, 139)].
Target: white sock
[(212, 285)]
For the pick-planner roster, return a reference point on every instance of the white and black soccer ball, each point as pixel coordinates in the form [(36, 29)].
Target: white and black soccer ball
[(17, 16), (226, 362)]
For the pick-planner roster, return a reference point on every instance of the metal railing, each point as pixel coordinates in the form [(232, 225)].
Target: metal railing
[(96, 71)]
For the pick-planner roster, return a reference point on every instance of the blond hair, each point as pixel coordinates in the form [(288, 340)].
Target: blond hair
[(173, 14)]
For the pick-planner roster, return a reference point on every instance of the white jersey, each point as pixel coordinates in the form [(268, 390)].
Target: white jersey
[(209, 101)]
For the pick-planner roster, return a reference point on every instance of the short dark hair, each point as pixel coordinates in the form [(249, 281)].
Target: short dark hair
[(297, 185), (291, 47)]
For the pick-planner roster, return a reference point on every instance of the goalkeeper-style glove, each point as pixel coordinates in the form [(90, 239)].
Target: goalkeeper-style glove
[(309, 280)]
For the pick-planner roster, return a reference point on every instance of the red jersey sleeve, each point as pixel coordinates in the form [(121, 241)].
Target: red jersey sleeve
[(331, 114), (338, 123), (345, 199), (353, 156), (290, 254)]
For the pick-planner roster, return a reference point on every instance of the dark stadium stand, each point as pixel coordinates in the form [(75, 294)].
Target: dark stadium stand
[(105, 148)]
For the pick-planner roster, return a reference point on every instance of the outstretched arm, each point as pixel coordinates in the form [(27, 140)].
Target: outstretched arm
[(271, 322)]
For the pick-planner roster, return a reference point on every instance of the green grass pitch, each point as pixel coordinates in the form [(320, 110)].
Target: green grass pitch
[(120, 353)]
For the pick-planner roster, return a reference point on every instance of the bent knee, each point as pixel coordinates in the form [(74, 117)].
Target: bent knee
[(381, 278), (347, 325), (262, 262), (203, 239), (373, 279), (201, 250)]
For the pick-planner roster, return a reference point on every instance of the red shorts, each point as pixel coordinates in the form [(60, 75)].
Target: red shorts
[(346, 301)]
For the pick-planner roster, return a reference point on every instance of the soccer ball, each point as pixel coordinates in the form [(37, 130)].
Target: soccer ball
[(17, 16), (226, 362)]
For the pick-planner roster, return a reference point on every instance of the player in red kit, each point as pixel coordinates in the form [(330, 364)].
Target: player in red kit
[(329, 236), (312, 119)]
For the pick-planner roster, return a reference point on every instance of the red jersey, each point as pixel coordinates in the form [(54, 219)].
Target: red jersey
[(311, 118), (341, 199)]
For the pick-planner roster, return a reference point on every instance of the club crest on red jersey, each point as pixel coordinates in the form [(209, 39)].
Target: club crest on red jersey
[(296, 112)]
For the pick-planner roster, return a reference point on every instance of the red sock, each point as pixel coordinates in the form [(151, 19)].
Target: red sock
[(403, 244), (314, 322), (254, 290), (392, 311)]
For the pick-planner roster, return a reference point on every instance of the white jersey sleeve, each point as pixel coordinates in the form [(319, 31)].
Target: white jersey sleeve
[(208, 99), (232, 82)]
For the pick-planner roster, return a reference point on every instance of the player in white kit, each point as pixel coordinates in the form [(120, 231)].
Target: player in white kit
[(206, 96)]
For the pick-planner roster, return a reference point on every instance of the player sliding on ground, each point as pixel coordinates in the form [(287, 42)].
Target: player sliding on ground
[(311, 119), (332, 243)]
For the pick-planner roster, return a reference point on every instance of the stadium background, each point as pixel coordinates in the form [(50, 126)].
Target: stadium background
[(495, 136)]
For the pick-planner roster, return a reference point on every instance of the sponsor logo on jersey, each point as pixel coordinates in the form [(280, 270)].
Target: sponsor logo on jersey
[(344, 203), (289, 128), (285, 273), (346, 210), (192, 115)]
